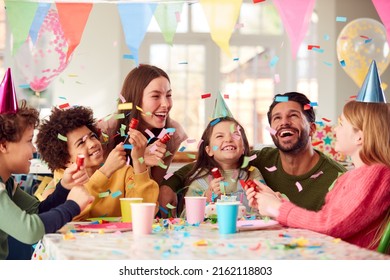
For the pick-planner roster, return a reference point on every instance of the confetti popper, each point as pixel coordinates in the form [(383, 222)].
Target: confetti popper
[(134, 123), (216, 173), (80, 161), (251, 184), (165, 138)]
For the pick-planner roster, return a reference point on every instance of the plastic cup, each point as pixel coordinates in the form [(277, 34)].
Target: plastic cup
[(195, 208), (143, 217), (126, 208), (227, 213)]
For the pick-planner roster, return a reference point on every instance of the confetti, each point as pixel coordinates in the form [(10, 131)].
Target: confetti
[(306, 107), (125, 106), (271, 130), (310, 47), (314, 176), (273, 61), (341, 19), (168, 175), (281, 99), (342, 63), (128, 56), (62, 137), (271, 169), (116, 194), (299, 186), (206, 95)]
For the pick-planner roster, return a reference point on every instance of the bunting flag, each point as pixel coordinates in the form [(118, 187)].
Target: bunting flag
[(222, 17), (40, 15), (20, 22), (135, 18), (73, 17), (295, 15), (383, 9), (168, 17)]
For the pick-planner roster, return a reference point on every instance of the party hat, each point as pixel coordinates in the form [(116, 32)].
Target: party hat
[(221, 109), (8, 101), (371, 90)]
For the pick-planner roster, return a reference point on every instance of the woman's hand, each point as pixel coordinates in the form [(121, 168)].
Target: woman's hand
[(154, 154)]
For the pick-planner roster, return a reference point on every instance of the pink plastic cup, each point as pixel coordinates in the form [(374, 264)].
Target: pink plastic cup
[(142, 217), (195, 207)]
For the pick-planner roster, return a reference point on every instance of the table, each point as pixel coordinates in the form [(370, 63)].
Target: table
[(178, 240)]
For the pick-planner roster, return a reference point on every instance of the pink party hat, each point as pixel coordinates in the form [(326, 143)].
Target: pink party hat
[(8, 101), (371, 90)]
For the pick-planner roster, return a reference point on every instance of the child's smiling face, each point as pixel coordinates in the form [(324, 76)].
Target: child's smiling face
[(83, 141), (226, 144)]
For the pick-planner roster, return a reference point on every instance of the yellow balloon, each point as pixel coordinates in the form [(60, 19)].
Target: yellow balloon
[(361, 41)]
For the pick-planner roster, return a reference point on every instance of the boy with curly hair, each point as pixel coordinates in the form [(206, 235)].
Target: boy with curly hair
[(71, 132)]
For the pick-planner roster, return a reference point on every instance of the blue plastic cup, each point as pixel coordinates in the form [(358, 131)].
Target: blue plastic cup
[(227, 217)]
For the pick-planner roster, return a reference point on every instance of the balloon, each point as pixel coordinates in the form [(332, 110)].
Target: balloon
[(361, 41), (41, 63)]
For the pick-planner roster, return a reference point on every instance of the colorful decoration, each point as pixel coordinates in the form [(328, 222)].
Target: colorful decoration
[(383, 8), (296, 15), (220, 108), (168, 17), (41, 63), (73, 26), (361, 41), (371, 90), (323, 140), (222, 17), (8, 101)]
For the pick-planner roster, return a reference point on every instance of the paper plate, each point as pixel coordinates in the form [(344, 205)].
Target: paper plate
[(106, 227), (243, 225)]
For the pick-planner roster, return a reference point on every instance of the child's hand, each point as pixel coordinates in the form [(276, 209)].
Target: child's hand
[(81, 196), (155, 153), (139, 142), (215, 185), (74, 176), (250, 195), (115, 160)]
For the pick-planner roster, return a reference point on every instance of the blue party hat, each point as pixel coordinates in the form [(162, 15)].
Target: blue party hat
[(371, 90), (221, 109), (8, 101)]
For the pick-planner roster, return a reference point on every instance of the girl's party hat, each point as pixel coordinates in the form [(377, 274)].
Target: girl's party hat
[(371, 90), (8, 101), (221, 109)]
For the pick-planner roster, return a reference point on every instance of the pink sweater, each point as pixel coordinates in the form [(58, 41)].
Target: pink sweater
[(353, 209)]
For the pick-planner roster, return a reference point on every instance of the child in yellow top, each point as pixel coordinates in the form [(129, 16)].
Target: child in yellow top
[(71, 132)]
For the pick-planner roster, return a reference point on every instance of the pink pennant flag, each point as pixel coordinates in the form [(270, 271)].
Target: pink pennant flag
[(383, 9), (73, 18), (296, 16)]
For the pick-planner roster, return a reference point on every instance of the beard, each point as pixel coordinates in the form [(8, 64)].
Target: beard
[(293, 147)]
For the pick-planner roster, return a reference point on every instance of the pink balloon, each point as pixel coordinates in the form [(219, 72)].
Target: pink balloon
[(42, 62)]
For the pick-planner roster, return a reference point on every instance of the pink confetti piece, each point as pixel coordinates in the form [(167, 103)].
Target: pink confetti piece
[(271, 130), (314, 176), (153, 148), (252, 157), (177, 15), (299, 186), (191, 140), (271, 169), (168, 175), (148, 132), (277, 78), (200, 142), (238, 26), (122, 98), (162, 133)]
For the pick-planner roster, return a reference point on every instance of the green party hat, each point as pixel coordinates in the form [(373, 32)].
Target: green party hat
[(220, 108)]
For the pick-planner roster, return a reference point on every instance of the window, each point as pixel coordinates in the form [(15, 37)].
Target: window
[(2, 38), (196, 66)]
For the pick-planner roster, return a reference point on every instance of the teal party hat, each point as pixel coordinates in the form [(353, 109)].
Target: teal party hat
[(220, 108), (371, 90)]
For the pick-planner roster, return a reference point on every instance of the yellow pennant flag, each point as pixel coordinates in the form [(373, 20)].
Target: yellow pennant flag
[(221, 16)]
